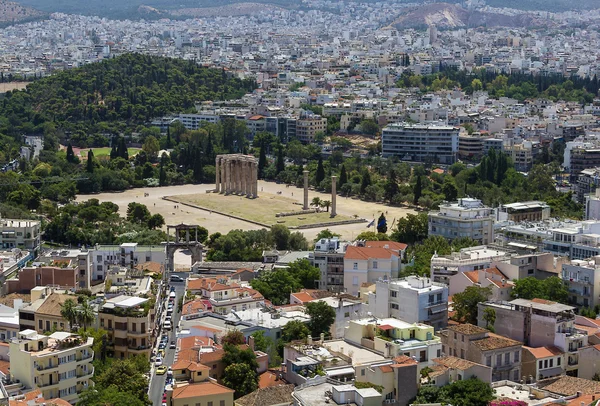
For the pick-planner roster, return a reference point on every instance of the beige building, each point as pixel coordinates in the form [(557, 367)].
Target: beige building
[(23, 234), (43, 314), (129, 321), (542, 362), (60, 365), (307, 127)]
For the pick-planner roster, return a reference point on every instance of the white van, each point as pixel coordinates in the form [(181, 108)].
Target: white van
[(167, 325)]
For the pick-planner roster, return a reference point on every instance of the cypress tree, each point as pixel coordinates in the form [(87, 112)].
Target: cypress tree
[(280, 165), (365, 182), (70, 154), (162, 176), (262, 162), (320, 175), (418, 190), (169, 143), (90, 162), (343, 176)]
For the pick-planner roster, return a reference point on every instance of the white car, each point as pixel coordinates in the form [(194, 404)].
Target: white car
[(158, 362)]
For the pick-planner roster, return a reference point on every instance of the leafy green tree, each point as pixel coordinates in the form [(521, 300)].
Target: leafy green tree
[(294, 330), (391, 186), (411, 228), (306, 274), (233, 337), (281, 236), (365, 182), (326, 233), (261, 341), (85, 315), (372, 236), (70, 154), (465, 302), (369, 126), (241, 379), (552, 288), (322, 317), (450, 190), (68, 311), (156, 221), (138, 213), (112, 380), (489, 316), (151, 146), (276, 285)]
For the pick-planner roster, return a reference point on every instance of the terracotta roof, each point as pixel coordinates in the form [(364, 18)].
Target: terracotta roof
[(51, 305), (201, 389), (438, 170), (455, 363), (189, 365), (467, 329), (403, 361), (213, 356), (364, 253), (151, 266), (270, 378), (473, 276), (437, 370), (500, 284), (8, 300), (273, 395), (366, 284), (590, 330), (211, 284), (302, 297), (544, 352), (5, 367), (569, 385), (583, 399), (393, 245), (543, 301), (386, 369), (194, 306), (494, 342), (188, 354), (27, 397), (196, 342)]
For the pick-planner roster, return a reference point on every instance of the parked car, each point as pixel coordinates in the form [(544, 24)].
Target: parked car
[(161, 370), (158, 361), (172, 346)]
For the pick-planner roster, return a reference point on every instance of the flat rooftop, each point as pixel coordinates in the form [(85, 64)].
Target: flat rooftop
[(513, 392), (358, 354)]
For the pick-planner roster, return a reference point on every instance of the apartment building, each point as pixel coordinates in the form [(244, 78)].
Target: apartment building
[(308, 125), (413, 299), (477, 344), (591, 203), (450, 369), (542, 362), (23, 234), (328, 256), (368, 263), (224, 295), (129, 321), (43, 314), (127, 254), (581, 158), (539, 323), (60, 365), (392, 337), (582, 278), (65, 274), (467, 217), (470, 147), (492, 277), (523, 211), (577, 240), (587, 182), (420, 143), (443, 267)]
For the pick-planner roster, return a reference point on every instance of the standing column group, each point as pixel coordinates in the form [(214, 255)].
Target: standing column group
[(236, 174)]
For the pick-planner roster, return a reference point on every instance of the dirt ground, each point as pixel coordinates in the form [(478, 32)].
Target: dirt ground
[(223, 224)]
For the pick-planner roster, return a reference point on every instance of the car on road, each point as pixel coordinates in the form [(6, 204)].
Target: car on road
[(172, 289), (158, 361), (161, 353), (172, 346), (167, 325), (162, 345), (161, 370), (176, 278), (164, 398)]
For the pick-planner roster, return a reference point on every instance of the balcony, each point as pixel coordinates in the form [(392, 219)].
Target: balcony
[(83, 357), (47, 367), (89, 373), (48, 385), (504, 367)]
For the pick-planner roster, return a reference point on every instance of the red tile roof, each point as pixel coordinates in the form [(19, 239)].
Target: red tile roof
[(393, 245), (365, 253), (544, 352), (201, 389)]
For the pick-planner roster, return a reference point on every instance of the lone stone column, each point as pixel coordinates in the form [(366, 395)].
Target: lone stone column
[(305, 207), (255, 179), (217, 175), (333, 195)]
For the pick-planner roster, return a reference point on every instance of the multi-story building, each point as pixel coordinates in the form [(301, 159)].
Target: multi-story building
[(470, 146), (43, 314), (60, 365), (369, 263), (328, 256), (490, 277), (421, 143), (582, 278), (587, 182), (65, 274), (23, 234), (591, 203), (393, 337), (539, 323), (81, 259), (523, 211), (542, 362), (582, 158), (443, 267), (577, 240), (466, 218), (413, 299), (129, 321), (224, 295), (127, 254), (308, 125), (477, 344)]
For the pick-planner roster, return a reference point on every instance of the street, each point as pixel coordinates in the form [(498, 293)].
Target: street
[(157, 382)]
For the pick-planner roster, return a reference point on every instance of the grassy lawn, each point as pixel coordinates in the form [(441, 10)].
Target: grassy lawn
[(105, 151), (262, 210)]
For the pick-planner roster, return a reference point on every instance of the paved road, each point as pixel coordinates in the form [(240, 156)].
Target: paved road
[(157, 382)]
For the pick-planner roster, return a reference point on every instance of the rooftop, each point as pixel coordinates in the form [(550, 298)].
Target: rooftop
[(456, 363), (467, 329), (543, 352), (569, 385), (194, 390), (544, 305), (494, 342)]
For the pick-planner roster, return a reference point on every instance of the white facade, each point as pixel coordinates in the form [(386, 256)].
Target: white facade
[(466, 218), (414, 300), (467, 259), (582, 278), (423, 143), (24, 234), (127, 255), (368, 265)]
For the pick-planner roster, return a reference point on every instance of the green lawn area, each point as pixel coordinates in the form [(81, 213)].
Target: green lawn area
[(262, 210), (105, 151)]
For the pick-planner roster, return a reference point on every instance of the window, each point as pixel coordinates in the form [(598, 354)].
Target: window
[(394, 306), (347, 314), (198, 404), (551, 362), (488, 361), (516, 375), (540, 364), (41, 324), (431, 299), (210, 403), (558, 361), (517, 356), (355, 265), (498, 359), (455, 335), (439, 297), (545, 363), (221, 403), (439, 353), (355, 280), (462, 353), (362, 372), (462, 338), (393, 293), (374, 264), (507, 358)]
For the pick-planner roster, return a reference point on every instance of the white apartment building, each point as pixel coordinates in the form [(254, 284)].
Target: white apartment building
[(421, 143), (466, 218), (592, 206), (377, 260), (24, 234), (582, 278), (577, 240), (126, 254), (328, 256), (60, 365), (467, 259), (413, 299)]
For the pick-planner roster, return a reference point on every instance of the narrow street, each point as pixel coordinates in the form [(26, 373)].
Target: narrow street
[(157, 382)]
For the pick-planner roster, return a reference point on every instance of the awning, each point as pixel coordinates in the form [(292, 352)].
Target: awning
[(385, 327), (546, 373), (340, 371)]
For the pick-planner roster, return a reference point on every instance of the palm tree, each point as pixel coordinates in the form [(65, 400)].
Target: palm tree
[(68, 310), (326, 204), (86, 315), (316, 202)]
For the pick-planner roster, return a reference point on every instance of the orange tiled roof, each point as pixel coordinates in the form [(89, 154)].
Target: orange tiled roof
[(302, 297), (393, 245), (201, 389), (544, 352), (364, 253), (270, 378), (473, 276)]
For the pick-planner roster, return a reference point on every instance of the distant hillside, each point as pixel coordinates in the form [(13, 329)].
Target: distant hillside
[(445, 15), (13, 13)]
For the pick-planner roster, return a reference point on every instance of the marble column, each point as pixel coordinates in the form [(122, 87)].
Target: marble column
[(217, 174), (333, 195), (254, 182), (305, 207), (234, 173), (223, 166), (228, 176), (247, 178), (239, 177)]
